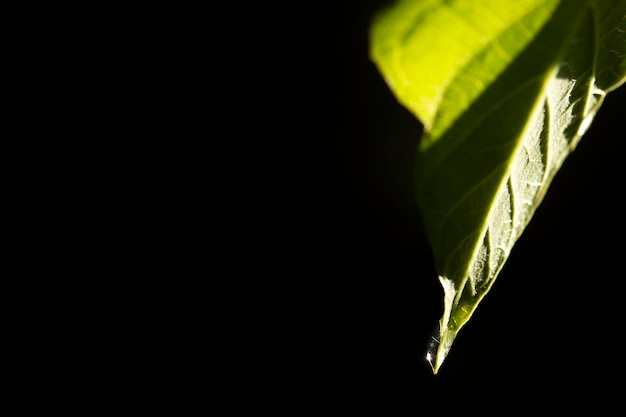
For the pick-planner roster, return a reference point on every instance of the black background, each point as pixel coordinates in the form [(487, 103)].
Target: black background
[(549, 332)]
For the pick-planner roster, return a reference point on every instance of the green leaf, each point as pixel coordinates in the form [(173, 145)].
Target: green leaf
[(504, 90)]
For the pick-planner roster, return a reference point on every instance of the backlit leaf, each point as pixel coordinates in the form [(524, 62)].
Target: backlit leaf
[(505, 90)]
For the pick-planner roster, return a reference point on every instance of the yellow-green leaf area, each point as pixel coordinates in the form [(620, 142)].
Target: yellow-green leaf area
[(454, 47)]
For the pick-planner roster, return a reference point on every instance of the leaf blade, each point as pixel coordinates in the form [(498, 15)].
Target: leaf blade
[(498, 124)]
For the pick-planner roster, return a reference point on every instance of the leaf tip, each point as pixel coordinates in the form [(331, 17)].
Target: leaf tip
[(431, 351), (442, 337), (437, 351)]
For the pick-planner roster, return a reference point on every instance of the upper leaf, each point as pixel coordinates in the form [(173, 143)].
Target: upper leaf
[(505, 90)]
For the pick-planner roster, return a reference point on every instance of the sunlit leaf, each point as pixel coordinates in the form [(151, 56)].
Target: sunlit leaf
[(505, 90)]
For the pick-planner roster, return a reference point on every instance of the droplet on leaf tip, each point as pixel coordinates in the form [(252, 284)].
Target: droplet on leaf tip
[(433, 345)]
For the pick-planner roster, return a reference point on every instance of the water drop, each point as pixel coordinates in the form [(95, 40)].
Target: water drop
[(433, 346)]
